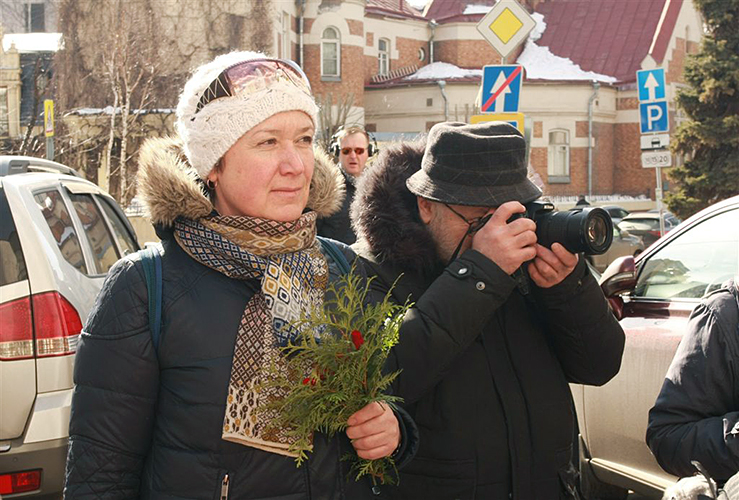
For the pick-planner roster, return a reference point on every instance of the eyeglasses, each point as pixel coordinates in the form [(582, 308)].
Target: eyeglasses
[(347, 151), (473, 226), (248, 77)]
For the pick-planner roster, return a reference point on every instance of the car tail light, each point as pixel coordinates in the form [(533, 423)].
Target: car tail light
[(20, 482), (16, 335), (654, 232), (55, 321), (57, 325)]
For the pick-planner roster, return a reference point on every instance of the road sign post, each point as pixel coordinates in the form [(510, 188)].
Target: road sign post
[(658, 198), (653, 118), (49, 127)]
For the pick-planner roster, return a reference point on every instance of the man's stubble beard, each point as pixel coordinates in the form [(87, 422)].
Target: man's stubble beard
[(445, 242)]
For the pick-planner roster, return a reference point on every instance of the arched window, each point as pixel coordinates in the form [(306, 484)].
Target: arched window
[(383, 56), (330, 53), (558, 168)]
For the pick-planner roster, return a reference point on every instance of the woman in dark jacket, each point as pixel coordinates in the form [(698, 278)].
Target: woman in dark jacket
[(696, 415), (240, 262)]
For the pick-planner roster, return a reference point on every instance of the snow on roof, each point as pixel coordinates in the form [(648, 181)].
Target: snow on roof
[(33, 42), (477, 9), (442, 71), (541, 64), (108, 110)]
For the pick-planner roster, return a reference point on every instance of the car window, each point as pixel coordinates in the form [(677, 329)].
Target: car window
[(12, 264), (618, 212), (640, 224), (122, 235), (104, 251), (694, 263), (57, 217)]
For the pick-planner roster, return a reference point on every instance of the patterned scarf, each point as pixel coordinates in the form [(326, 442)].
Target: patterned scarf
[(286, 258)]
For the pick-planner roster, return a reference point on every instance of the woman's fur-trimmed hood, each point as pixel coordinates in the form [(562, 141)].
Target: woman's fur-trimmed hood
[(385, 214), (170, 187)]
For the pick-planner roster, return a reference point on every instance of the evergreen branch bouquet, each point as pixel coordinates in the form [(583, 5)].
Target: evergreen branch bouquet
[(335, 368)]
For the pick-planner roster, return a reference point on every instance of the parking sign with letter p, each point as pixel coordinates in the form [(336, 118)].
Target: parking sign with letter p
[(653, 117)]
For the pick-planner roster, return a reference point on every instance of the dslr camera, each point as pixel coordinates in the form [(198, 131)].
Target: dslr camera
[(587, 230)]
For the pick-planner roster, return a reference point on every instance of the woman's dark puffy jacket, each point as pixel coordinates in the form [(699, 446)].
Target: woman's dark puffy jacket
[(147, 424)]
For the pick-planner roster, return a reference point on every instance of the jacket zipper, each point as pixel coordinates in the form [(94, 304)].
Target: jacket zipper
[(224, 488)]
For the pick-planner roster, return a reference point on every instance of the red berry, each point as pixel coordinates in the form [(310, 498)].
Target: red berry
[(357, 339)]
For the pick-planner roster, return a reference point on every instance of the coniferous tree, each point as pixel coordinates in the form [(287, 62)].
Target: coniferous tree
[(710, 138)]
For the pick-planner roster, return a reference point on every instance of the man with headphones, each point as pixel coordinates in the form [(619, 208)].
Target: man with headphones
[(351, 146)]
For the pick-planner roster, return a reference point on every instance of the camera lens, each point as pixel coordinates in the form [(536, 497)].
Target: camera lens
[(588, 230), (596, 231)]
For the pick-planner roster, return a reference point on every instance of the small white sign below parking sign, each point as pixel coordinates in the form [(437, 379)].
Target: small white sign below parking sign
[(654, 159)]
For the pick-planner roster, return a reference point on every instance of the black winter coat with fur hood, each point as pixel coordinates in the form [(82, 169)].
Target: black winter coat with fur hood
[(147, 424), (485, 368), (696, 415)]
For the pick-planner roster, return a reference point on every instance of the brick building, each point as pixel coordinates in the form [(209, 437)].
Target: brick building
[(404, 69), (583, 125)]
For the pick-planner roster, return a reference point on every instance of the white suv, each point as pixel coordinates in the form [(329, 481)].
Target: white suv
[(59, 235)]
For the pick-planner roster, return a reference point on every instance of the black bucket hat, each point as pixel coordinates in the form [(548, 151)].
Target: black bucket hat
[(475, 165)]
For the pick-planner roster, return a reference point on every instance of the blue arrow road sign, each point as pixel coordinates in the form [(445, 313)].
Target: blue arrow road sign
[(653, 117), (501, 88), (651, 83)]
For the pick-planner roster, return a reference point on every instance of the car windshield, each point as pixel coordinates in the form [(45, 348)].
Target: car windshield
[(695, 263)]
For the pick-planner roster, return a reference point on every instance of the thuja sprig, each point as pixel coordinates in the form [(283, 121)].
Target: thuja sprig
[(335, 368)]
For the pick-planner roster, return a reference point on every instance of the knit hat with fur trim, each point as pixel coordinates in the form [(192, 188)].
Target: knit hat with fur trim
[(207, 134)]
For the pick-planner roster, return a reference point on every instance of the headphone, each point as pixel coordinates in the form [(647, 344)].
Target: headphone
[(334, 147)]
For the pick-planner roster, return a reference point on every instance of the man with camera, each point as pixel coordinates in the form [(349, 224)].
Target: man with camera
[(499, 326)]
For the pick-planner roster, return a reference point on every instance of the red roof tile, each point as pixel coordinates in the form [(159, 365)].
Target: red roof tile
[(610, 37)]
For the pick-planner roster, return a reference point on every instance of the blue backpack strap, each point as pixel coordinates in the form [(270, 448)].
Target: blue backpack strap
[(151, 258), (336, 255)]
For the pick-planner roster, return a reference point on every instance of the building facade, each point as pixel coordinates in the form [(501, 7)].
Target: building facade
[(398, 70)]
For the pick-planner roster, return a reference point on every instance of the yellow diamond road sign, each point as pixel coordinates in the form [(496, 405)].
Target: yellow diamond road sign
[(506, 26)]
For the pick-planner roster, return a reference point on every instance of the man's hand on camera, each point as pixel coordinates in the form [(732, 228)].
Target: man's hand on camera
[(550, 267), (507, 244)]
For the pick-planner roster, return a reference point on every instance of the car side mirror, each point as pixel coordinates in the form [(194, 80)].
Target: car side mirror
[(618, 278)]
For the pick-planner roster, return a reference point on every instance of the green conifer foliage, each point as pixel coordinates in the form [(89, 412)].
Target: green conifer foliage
[(709, 139)]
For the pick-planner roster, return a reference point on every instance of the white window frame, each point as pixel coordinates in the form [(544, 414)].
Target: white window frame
[(326, 42), (285, 39), (383, 56), (4, 116), (29, 17), (558, 157)]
